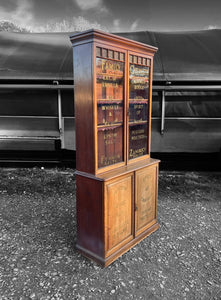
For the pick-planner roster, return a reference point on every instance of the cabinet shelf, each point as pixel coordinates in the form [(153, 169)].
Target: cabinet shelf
[(138, 100), (109, 126), (105, 101), (111, 73), (137, 122)]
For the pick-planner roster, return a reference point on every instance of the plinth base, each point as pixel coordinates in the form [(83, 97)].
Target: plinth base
[(104, 262)]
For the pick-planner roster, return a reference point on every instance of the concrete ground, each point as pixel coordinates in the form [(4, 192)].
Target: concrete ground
[(38, 260)]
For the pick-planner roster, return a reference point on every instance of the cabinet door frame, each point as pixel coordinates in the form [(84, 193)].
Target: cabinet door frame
[(154, 194), (143, 55), (107, 214), (122, 50)]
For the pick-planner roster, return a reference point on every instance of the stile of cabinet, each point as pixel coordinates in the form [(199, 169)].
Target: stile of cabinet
[(116, 178)]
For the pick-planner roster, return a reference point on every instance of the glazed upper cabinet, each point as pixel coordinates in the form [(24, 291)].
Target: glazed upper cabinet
[(112, 100)]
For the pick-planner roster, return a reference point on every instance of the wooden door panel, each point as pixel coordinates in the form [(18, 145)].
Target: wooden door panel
[(118, 212), (145, 199)]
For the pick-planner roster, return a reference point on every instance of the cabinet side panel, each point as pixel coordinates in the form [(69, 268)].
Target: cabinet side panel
[(90, 223), (84, 116)]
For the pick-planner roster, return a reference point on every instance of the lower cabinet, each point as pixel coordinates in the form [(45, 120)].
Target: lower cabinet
[(116, 210)]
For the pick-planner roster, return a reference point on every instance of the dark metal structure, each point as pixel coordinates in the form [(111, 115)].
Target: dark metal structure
[(36, 91)]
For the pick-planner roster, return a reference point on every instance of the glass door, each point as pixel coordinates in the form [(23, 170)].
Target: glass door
[(139, 83), (110, 81)]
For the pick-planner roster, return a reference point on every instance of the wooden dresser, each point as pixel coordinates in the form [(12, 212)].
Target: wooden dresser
[(117, 181)]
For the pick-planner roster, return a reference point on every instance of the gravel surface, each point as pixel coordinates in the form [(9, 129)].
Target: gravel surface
[(38, 260)]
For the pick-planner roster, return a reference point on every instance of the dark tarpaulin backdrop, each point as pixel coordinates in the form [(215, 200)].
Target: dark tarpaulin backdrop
[(182, 57)]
